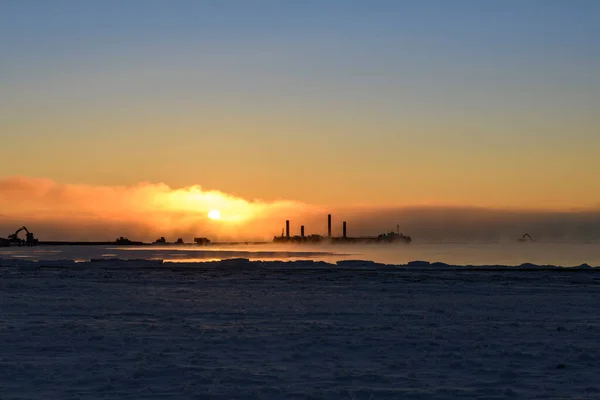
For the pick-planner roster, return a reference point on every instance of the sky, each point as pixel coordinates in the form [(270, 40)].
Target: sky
[(316, 105)]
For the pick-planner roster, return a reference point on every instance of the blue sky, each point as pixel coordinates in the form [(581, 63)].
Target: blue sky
[(468, 90)]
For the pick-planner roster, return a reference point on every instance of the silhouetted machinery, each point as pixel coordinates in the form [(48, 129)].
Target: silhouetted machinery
[(123, 241), (14, 238), (201, 241), (526, 238)]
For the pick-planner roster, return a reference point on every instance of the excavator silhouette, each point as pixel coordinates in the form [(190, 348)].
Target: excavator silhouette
[(526, 238), (29, 240)]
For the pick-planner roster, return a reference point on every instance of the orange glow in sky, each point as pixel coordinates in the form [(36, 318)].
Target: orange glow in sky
[(264, 112), (148, 209)]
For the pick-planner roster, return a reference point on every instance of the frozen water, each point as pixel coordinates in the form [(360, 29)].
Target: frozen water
[(269, 330), (542, 253)]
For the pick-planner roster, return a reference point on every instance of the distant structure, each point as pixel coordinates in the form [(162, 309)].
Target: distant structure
[(287, 238), (162, 240), (123, 241), (526, 238), (390, 237), (201, 241), (14, 239)]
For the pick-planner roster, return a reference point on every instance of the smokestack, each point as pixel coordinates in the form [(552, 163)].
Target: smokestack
[(302, 231), (287, 228), (328, 225), (344, 229)]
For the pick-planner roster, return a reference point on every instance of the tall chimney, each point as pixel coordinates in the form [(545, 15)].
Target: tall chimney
[(302, 231), (287, 228), (344, 229), (328, 225)]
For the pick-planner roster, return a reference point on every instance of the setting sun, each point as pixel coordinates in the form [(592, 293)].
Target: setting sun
[(214, 214)]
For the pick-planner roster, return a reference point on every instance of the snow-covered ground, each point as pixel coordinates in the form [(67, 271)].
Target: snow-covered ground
[(302, 330)]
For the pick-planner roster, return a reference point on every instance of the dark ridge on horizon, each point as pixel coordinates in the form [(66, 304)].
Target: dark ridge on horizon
[(421, 223)]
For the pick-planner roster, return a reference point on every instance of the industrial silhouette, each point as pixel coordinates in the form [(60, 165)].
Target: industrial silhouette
[(162, 240), (526, 238), (390, 237), (123, 241), (14, 239), (201, 241)]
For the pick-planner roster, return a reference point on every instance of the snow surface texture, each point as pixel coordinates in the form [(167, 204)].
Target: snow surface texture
[(237, 329)]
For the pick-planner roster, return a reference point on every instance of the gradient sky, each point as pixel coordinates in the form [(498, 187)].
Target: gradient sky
[(488, 103)]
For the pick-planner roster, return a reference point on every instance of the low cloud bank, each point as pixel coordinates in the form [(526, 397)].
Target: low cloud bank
[(144, 211), (478, 224), (147, 211)]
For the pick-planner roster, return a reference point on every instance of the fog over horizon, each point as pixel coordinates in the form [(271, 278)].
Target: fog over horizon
[(148, 211)]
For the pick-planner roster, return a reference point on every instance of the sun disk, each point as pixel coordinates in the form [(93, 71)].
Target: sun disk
[(214, 214)]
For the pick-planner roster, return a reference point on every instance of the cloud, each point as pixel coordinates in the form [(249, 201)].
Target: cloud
[(146, 211), (442, 223)]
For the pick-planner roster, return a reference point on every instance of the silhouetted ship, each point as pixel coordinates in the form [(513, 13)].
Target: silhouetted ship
[(390, 237)]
